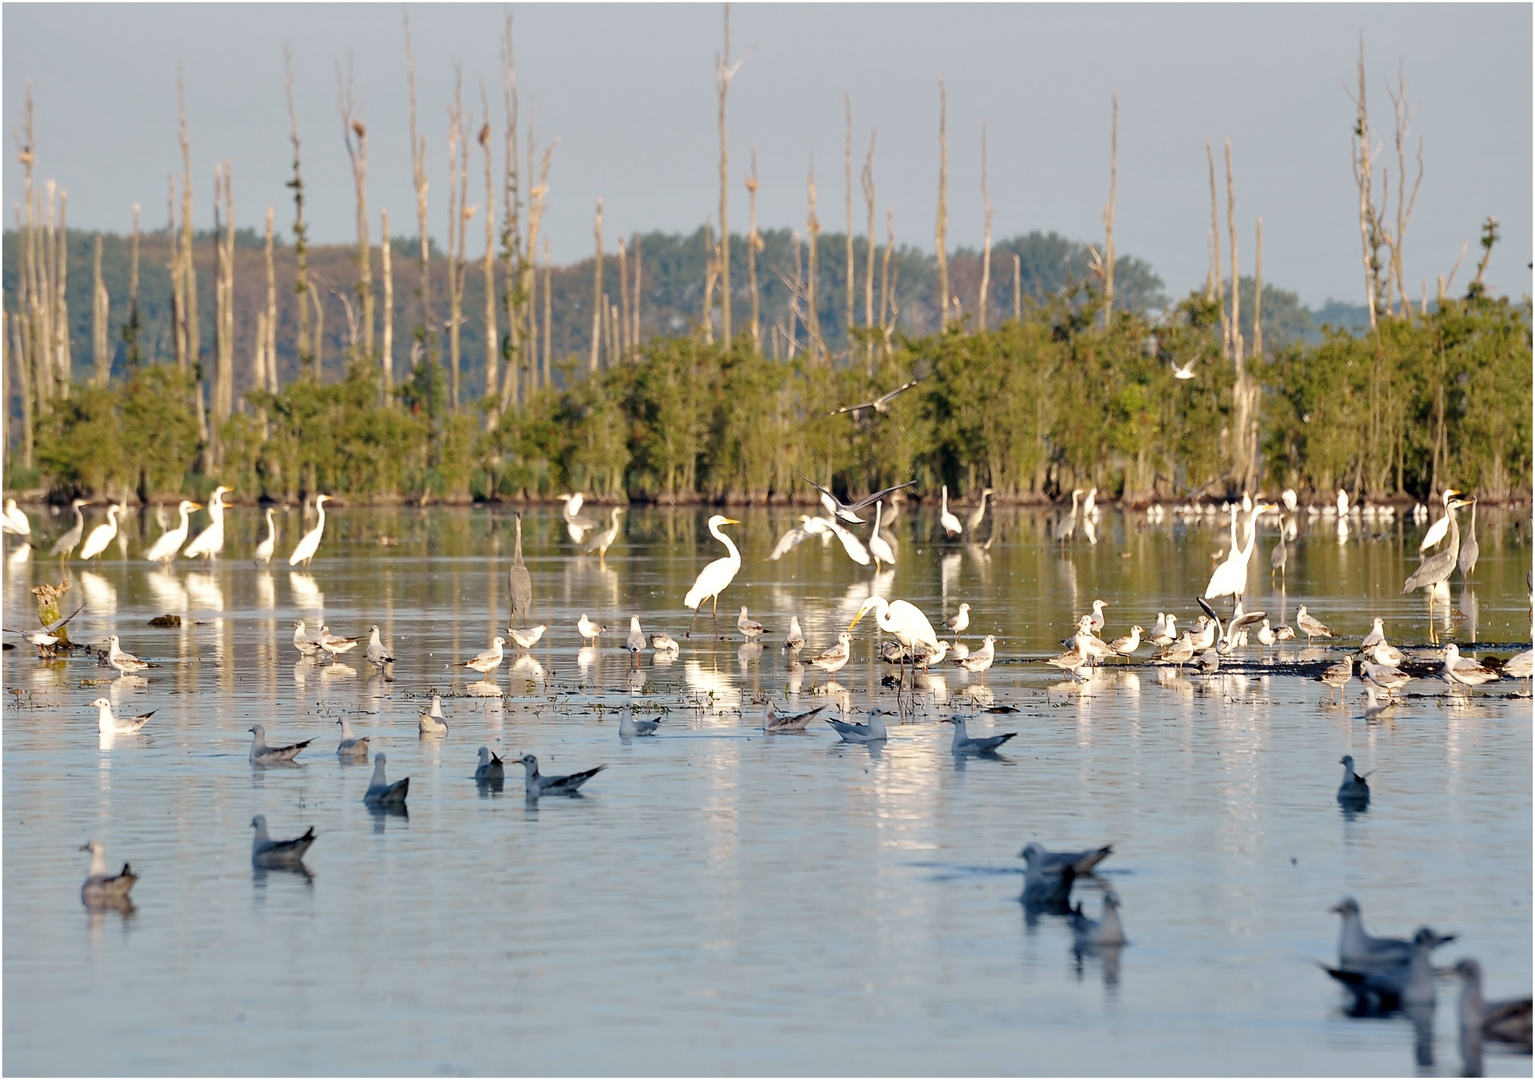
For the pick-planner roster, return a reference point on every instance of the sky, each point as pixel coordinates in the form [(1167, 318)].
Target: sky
[(628, 90)]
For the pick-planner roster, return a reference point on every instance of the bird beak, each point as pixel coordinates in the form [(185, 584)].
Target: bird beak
[(855, 620), (730, 521), (85, 847)]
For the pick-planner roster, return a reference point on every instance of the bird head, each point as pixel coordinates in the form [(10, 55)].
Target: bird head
[(101, 703), (258, 821), (1347, 906)]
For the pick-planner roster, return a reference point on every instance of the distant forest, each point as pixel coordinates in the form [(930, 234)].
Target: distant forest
[(673, 269)]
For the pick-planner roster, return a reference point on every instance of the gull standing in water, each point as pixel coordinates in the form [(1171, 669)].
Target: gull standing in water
[(873, 731), (1384, 677), (306, 547), (101, 887), (589, 630), (1310, 626), (432, 722), (978, 662), (536, 784), (124, 662), (1337, 676), (268, 545), (519, 581), (835, 658), (109, 724), (950, 523), (487, 661), (351, 746), (266, 852), (208, 543), (381, 792), (960, 621), (64, 545), (665, 643), (636, 641), (305, 644), (750, 629), (490, 770), (165, 548), (1353, 793), (334, 644), (794, 640), (1376, 636), (101, 535), (715, 577), (528, 638), (1126, 646), (964, 744), (1459, 671), (261, 754), (376, 654), (629, 727)]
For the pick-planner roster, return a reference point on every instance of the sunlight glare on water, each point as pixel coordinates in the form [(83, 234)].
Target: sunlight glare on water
[(724, 902)]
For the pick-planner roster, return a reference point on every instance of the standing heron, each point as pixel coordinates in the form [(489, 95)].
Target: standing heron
[(714, 578), (210, 541), (1438, 567), (1470, 549), (1280, 555), (64, 545), (1068, 524), (519, 582), (306, 548)]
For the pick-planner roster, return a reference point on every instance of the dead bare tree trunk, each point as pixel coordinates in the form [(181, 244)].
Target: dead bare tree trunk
[(520, 276), (1215, 254), (850, 273), (189, 270), (753, 245), (492, 330), (940, 236), (418, 175), (1108, 218), (1017, 289), (724, 71), (621, 336), (1258, 296), (986, 243), (711, 278), (100, 311), (130, 331), (634, 305), (548, 310), (1363, 155), (458, 212), (1404, 202), (1236, 277), (306, 354), (352, 128), (867, 180), (886, 297), (812, 303), (386, 350), (597, 300)]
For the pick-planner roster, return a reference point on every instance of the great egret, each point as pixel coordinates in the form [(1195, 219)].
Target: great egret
[(715, 577), (949, 522), (70, 540), (101, 535), (268, 543), (978, 515), (306, 548), (1439, 566), (576, 526), (902, 619), (1441, 528), (208, 543), (1068, 524), (849, 511), (850, 543), (164, 549), (14, 520), (519, 582), (879, 547), (1230, 577), (1469, 548), (604, 540)]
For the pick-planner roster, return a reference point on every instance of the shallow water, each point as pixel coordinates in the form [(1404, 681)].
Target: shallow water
[(721, 902)]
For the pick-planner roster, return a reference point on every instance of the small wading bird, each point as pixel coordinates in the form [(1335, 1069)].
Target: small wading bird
[(848, 512), (880, 404), (208, 543), (266, 852), (304, 551), (715, 577), (165, 548)]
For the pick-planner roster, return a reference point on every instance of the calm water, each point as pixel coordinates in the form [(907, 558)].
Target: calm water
[(721, 902)]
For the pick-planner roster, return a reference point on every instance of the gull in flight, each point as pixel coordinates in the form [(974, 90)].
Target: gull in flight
[(101, 887), (536, 784), (267, 852), (629, 727), (381, 792), (490, 770), (964, 744), (261, 754), (1184, 372), (849, 511), (873, 731), (880, 404), (351, 746), (109, 724), (46, 638)]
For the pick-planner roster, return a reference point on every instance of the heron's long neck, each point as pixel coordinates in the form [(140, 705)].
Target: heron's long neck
[(879, 508), (320, 509), (517, 551), (1454, 547)]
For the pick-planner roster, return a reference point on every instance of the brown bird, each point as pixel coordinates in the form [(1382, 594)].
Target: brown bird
[(360, 128), (484, 134)]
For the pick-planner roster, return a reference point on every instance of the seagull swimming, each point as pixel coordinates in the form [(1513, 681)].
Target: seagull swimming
[(1094, 933), (964, 744), (536, 784), (267, 852), (1504, 1021), (776, 723), (380, 791), (1381, 988), (112, 725), (432, 722), (351, 746), (1353, 792), (490, 770), (629, 727), (873, 731), (1357, 949), (262, 754), (101, 887)]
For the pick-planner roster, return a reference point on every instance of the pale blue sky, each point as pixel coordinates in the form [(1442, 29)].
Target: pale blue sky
[(628, 90)]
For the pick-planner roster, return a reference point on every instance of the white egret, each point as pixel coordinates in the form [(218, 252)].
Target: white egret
[(604, 540), (949, 522), (70, 540), (208, 543), (1441, 528), (1230, 577), (576, 526), (1068, 524), (879, 547), (268, 543), (978, 515), (850, 543), (715, 577), (306, 548), (101, 535), (164, 549), (902, 619), (1090, 505), (796, 536), (14, 520)]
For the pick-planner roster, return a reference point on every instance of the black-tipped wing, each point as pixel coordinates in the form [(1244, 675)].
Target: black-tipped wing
[(557, 785), (870, 500)]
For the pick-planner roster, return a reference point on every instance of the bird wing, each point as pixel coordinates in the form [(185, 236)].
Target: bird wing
[(788, 541), (51, 627), (870, 500), (898, 390)]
